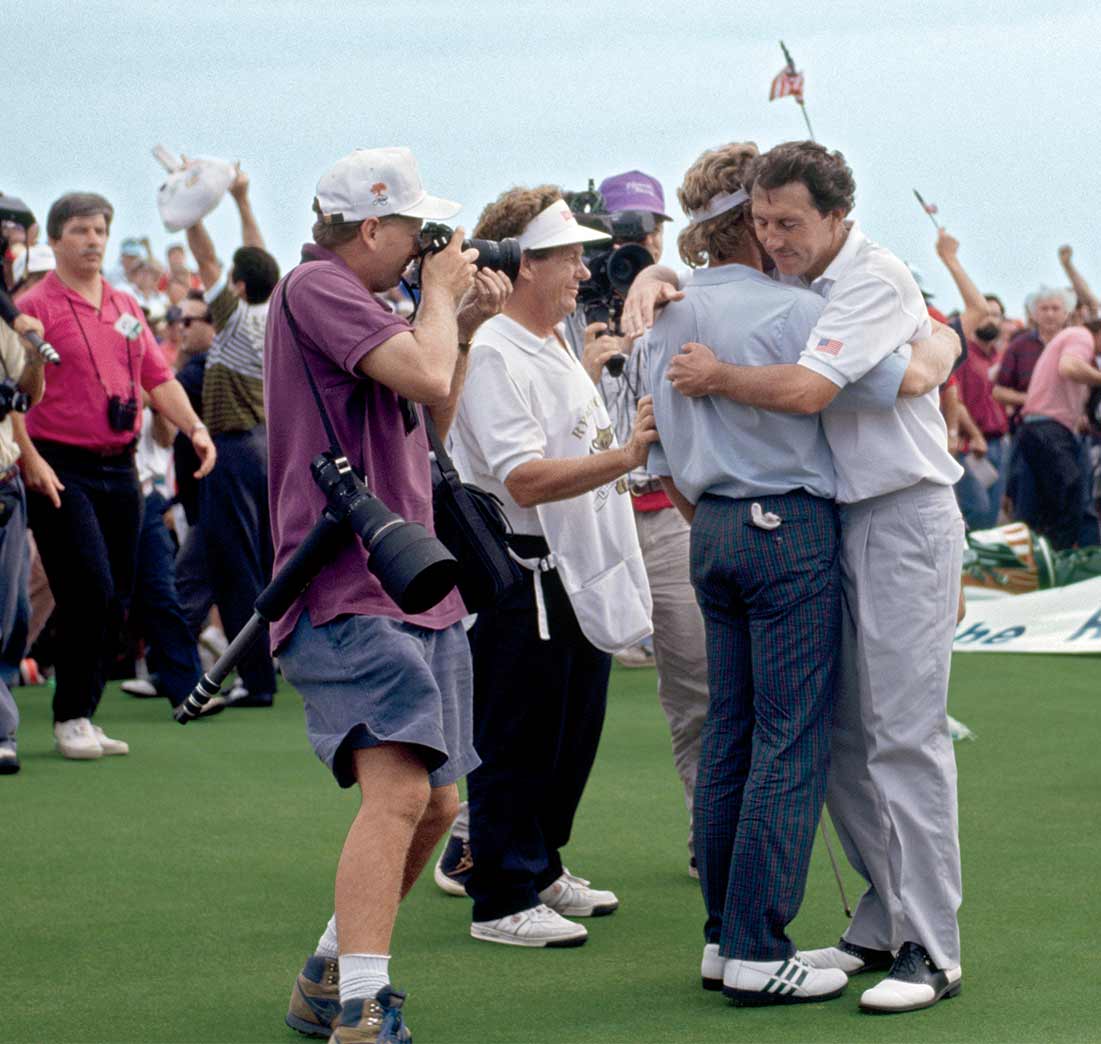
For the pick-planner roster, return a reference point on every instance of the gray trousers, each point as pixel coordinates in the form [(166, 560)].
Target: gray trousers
[(680, 649), (15, 567), (892, 783)]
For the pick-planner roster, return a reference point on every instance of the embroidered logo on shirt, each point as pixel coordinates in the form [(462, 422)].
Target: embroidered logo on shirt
[(829, 347)]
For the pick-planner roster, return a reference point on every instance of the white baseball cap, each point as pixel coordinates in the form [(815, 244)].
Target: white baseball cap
[(31, 261), (376, 183), (556, 226)]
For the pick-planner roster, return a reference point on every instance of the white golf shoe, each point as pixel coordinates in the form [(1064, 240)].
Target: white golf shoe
[(914, 982), (788, 981), (571, 896), (75, 739), (537, 926)]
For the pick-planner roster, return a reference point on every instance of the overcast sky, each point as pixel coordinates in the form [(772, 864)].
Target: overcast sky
[(990, 110)]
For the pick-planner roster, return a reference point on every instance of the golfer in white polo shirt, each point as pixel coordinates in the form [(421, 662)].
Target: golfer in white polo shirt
[(892, 789)]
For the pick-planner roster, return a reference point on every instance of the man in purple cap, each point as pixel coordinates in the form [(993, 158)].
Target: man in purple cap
[(387, 694)]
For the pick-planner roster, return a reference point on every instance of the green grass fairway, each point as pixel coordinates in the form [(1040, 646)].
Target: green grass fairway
[(172, 895)]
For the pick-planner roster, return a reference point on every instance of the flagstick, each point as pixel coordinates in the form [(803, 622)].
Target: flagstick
[(806, 118), (925, 207)]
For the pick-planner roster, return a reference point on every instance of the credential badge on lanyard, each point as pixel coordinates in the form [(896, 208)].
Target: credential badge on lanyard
[(129, 326)]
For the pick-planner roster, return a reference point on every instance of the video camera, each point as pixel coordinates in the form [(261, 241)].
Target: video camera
[(503, 256), (17, 212), (613, 269)]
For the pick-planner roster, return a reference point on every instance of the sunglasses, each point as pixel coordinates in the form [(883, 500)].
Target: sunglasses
[(187, 320)]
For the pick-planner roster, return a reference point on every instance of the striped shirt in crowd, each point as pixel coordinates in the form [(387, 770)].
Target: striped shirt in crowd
[(233, 386)]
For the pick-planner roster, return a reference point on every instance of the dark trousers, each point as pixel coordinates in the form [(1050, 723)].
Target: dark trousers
[(1052, 456), (172, 655), (226, 559), (538, 713), (89, 549), (771, 603)]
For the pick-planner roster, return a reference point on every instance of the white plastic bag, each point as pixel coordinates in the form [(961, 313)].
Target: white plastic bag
[(191, 191)]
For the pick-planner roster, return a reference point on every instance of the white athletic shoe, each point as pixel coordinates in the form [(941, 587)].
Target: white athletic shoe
[(110, 746), (850, 958), (75, 739), (790, 981), (140, 687), (539, 926), (711, 967), (572, 898)]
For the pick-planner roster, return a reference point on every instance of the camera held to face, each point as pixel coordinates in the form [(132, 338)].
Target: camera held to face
[(613, 269), (503, 256)]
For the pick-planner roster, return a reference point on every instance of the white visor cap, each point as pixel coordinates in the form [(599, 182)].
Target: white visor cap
[(556, 226), (377, 183)]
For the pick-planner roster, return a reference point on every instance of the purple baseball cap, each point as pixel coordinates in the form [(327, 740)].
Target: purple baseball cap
[(634, 191)]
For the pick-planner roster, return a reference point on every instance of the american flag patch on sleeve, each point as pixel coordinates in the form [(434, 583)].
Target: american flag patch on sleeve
[(829, 347)]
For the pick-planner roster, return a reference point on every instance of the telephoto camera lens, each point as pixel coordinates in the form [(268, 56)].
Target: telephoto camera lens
[(503, 256), (414, 568)]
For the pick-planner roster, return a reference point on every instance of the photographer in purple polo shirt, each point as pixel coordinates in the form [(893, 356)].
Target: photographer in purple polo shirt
[(387, 695)]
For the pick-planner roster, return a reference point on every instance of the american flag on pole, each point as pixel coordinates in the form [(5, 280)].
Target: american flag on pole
[(786, 82)]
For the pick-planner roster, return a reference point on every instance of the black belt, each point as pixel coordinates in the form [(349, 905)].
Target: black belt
[(85, 456)]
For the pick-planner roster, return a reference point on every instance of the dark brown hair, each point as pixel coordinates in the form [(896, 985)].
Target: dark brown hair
[(826, 174), (74, 205)]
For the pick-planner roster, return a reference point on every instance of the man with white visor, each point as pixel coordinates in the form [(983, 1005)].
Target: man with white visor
[(532, 429)]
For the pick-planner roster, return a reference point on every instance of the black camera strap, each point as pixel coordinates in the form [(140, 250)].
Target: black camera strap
[(298, 336), (91, 354), (410, 417)]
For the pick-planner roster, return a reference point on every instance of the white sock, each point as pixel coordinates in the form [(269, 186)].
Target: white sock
[(326, 945), (363, 974)]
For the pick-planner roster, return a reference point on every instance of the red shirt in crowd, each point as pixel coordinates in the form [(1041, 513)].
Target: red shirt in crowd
[(977, 392), (1019, 360), (97, 361)]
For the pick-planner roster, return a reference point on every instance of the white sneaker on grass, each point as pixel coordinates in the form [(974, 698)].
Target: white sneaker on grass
[(110, 746), (75, 739), (572, 897), (788, 981), (538, 926), (711, 967)]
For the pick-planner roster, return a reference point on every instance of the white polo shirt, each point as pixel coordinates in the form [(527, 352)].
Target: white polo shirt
[(873, 307), (525, 398)]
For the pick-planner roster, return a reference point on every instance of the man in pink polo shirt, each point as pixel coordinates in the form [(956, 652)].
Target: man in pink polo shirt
[(84, 501), (1048, 442)]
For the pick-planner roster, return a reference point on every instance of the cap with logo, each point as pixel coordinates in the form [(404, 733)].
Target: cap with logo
[(377, 183), (556, 226), (132, 248), (634, 191)]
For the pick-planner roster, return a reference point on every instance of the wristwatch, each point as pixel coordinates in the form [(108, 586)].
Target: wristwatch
[(197, 426)]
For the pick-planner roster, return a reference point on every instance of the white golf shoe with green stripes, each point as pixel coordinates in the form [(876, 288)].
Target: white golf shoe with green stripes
[(789, 981)]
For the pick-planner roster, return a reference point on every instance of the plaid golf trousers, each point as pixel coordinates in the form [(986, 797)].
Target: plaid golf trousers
[(771, 601)]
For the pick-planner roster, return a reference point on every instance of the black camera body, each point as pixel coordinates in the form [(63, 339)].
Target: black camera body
[(122, 414), (414, 568), (12, 398), (503, 256), (612, 269)]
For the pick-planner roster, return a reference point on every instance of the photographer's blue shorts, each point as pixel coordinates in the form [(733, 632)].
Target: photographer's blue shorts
[(367, 680)]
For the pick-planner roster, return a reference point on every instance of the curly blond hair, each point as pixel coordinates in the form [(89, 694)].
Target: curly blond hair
[(724, 169), (510, 213)]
